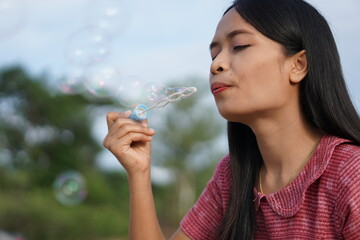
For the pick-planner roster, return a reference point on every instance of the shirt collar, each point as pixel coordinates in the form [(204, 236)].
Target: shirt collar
[(287, 201)]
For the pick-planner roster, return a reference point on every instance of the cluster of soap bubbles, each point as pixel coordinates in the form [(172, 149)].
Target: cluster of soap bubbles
[(105, 20), (88, 52), (136, 91), (12, 17), (70, 188)]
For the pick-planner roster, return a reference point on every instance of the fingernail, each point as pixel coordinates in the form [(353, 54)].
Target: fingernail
[(127, 112)]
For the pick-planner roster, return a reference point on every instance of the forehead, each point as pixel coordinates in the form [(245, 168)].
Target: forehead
[(232, 21)]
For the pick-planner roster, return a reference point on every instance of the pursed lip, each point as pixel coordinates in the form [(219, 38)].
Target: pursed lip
[(217, 88)]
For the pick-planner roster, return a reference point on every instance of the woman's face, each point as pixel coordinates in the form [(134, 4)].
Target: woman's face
[(249, 74)]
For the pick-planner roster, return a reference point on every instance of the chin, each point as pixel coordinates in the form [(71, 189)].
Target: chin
[(229, 116), (238, 116)]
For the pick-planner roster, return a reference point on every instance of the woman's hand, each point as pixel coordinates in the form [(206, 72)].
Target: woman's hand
[(129, 141)]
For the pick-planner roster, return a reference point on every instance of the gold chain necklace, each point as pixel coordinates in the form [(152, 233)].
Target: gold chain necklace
[(296, 170)]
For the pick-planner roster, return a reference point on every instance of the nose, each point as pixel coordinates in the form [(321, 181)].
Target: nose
[(219, 64)]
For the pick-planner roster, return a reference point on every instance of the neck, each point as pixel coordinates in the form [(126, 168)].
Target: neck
[(286, 145)]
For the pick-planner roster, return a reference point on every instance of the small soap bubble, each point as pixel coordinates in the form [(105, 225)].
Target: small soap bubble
[(155, 91), (87, 45), (72, 82), (171, 90), (70, 188), (112, 16), (102, 80), (130, 91), (12, 17)]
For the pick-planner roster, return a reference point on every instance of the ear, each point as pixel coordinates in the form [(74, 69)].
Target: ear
[(299, 67)]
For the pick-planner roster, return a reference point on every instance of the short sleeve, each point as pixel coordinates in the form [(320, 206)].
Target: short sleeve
[(348, 200), (204, 218)]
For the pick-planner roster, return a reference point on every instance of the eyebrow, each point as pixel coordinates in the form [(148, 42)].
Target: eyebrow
[(231, 35)]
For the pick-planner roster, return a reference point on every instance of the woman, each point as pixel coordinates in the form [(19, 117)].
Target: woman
[(293, 169)]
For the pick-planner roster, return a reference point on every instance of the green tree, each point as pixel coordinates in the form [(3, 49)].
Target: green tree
[(42, 129), (43, 133)]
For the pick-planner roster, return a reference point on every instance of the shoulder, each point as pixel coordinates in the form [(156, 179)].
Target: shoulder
[(348, 155), (343, 154), (348, 188), (223, 165), (348, 149), (345, 162), (222, 173)]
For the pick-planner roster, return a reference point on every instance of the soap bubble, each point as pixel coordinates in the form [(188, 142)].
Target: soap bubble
[(70, 188), (155, 91), (12, 17), (171, 90), (111, 16), (87, 45), (130, 91), (102, 80), (72, 82)]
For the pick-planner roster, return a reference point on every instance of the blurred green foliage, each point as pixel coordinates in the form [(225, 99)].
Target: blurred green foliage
[(43, 133)]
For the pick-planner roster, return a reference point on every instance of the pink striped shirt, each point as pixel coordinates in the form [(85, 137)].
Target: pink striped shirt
[(323, 202)]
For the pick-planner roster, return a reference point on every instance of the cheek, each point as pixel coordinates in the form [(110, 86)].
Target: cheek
[(266, 85)]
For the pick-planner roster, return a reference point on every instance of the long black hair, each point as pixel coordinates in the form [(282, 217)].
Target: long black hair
[(324, 98)]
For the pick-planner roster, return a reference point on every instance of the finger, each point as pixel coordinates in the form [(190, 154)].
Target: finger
[(136, 137), (111, 117), (120, 129), (115, 145)]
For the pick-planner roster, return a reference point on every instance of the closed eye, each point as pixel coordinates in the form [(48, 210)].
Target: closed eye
[(240, 47), (236, 49)]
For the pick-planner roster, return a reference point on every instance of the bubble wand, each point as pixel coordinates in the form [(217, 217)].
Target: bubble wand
[(141, 111)]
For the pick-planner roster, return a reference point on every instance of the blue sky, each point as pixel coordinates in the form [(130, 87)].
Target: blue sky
[(162, 40)]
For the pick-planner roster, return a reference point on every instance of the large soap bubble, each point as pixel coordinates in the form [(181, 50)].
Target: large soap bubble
[(87, 45), (102, 80), (73, 81), (130, 91), (155, 91), (111, 16), (70, 188)]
